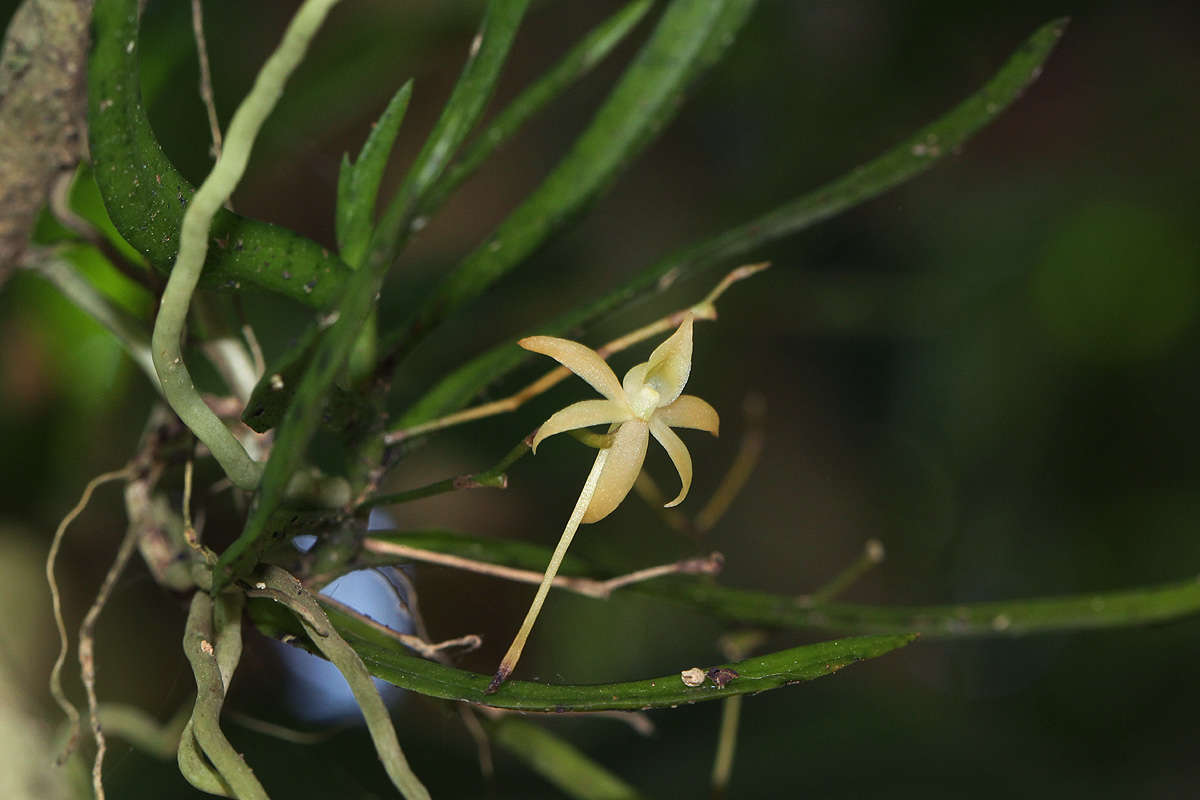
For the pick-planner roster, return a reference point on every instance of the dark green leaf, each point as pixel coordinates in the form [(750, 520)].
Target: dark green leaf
[(358, 185), (388, 659), (303, 415), (489, 50), (146, 196), (559, 762), (304, 411), (358, 182), (683, 44), (907, 160), (573, 66), (1158, 603)]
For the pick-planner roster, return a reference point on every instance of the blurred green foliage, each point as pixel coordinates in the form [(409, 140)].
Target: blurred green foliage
[(992, 369)]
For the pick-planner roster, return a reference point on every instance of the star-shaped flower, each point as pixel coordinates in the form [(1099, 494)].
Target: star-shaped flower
[(649, 402)]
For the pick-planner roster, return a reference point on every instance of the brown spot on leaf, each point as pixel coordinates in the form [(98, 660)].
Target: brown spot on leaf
[(721, 676)]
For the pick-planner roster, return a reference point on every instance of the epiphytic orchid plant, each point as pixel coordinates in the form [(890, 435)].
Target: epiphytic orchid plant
[(335, 379), (650, 401)]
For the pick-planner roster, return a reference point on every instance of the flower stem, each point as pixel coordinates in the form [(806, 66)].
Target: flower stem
[(509, 662)]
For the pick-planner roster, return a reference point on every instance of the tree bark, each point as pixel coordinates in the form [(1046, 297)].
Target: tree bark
[(43, 108)]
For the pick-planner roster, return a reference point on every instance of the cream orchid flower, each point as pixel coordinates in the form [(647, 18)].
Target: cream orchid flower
[(648, 402)]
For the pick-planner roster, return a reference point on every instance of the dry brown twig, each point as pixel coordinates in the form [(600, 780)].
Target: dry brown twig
[(754, 410), (588, 587), (56, 689), (206, 91), (87, 652), (704, 310), (430, 650)]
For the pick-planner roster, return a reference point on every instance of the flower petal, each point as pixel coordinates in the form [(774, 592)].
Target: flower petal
[(624, 462), (635, 379), (580, 415), (679, 454), (580, 359), (689, 411), (671, 363)]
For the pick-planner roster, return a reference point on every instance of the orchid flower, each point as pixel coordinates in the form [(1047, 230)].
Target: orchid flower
[(648, 402)]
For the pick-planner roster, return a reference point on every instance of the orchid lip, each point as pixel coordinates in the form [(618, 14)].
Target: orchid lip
[(648, 400), (645, 402)]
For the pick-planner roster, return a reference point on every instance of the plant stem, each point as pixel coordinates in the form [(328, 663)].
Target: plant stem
[(872, 554), (509, 662), (493, 478), (731, 712), (143, 731), (559, 762)]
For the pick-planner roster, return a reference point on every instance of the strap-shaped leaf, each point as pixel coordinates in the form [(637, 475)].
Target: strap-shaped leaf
[(577, 63), (358, 181), (387, 659), (645, 99), (304, 411), (1147, 604), (146, 196), (489, 50), (558, 761), (905, 161)]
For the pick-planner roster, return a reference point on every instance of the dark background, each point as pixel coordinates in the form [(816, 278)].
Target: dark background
[(991, 369)]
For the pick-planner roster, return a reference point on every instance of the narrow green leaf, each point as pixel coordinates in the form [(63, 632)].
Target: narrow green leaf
[(304, 410), (146, 196), (140, 729), (489, 50), (1148, 604), (358, 182), (645, 99), (358, 185), (907, 160), (300, 421), (559, 762), (577, 63), (387, 659)]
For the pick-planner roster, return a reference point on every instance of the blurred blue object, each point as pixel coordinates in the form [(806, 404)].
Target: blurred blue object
[(316, 691)]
